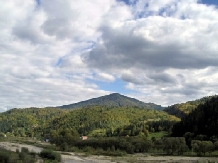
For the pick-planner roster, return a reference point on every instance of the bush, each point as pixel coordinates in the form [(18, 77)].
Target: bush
[(174, 144), (24, 150), (4, 157), (88, 149), (50, 155), (201, 147)]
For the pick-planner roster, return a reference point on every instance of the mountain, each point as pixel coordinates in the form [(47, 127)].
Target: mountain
[(183, 109), (113, 100), (201, 121)]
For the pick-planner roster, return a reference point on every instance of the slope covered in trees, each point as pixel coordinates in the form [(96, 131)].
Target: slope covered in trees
[(202, 121), (183, 109), (28, 122), (113, 100), (93, 121), (97, 120)]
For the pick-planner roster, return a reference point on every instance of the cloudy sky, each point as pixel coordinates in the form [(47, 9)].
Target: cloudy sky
[(64, 51)]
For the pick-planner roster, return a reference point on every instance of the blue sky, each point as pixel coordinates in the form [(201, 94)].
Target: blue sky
[(210, 2), (64, 52)]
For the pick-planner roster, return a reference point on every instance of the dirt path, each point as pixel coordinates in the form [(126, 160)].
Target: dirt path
[(14, 146), (72, 158)]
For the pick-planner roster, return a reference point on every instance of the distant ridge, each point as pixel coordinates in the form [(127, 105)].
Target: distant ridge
[(113, 100)]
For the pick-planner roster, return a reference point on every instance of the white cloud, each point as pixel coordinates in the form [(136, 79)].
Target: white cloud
[(105, 77), (166, 51), (40, 50), (149, 48)]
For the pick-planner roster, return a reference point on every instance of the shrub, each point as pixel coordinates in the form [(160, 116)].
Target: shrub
[(4, 157), (50, 155), (24, 150)]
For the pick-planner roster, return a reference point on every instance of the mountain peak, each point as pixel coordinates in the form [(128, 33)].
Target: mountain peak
[(113, 100)]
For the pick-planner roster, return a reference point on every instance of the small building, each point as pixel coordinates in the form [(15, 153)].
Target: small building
[(84, 137)]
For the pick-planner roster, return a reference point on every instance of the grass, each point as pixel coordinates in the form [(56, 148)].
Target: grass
[(157, 135)]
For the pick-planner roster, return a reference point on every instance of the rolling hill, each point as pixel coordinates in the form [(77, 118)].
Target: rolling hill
[(113, 100)]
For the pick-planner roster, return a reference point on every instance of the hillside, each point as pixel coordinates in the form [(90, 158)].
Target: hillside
[(113, 100), (95, 120), (183, 109), (92, 120), (202, 120), (28, 122)]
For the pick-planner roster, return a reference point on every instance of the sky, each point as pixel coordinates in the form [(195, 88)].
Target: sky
[(60, 52)]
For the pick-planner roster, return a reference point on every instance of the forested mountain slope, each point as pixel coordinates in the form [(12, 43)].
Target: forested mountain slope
[(28, 122), (183, 109), (203, 120), (113, 100), (98, 119), (92, 120)]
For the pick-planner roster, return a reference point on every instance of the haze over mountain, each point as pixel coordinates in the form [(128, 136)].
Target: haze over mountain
[(113, 100)]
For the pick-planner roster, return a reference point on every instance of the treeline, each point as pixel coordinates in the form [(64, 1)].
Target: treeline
[(134, 144), (68, 140)]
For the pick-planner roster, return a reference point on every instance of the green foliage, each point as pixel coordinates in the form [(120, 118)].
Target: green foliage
[(156, 135), (2, 135), (183, 109), (110, 115), (216, 145), (188, 138), (50, 155), (64, 135), (94, 121), (97, 120), (174, 144), (202, 121), (16, 157), (4, 157), (113, 145), (30, 122), (201, 147), (24, 150)]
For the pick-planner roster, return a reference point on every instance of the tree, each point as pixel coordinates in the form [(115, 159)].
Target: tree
[(216, 145), (174, 144), (188, 138), (201, 147)]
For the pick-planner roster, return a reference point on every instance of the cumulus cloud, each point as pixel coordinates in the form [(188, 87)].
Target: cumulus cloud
[(40, 50), (159, 48), (55, 53)]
